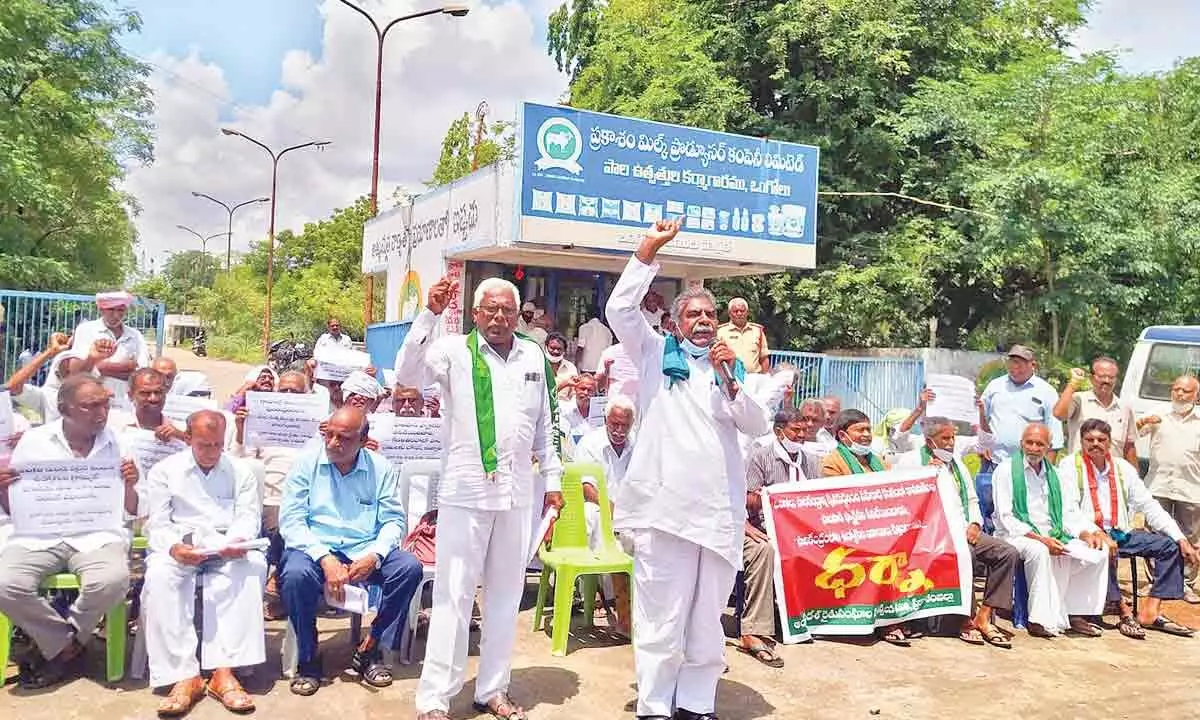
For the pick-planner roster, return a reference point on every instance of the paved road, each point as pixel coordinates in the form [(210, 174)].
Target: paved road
[(224, 376)]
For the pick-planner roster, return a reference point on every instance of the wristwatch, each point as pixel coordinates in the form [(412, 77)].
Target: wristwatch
[(378, 560)]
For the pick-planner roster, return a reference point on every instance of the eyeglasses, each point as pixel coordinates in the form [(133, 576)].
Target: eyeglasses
[(494, 310)]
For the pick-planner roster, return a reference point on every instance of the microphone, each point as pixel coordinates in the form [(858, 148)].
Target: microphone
[(726, 373)]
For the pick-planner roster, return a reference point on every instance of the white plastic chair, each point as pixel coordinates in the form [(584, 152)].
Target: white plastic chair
[(417, 475)]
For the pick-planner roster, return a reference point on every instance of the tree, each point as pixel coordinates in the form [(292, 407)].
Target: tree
[(73, 107), (458, 149)]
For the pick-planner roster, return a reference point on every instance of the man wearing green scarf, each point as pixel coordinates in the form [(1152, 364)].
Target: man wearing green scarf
[(1065, 556), (499, 413)]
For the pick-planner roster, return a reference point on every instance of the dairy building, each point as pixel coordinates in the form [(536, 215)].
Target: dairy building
[(561, 221)]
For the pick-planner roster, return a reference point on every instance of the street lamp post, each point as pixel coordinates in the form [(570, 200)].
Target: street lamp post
[(203, 247), (275, 157), (452, 9), (231, 211)]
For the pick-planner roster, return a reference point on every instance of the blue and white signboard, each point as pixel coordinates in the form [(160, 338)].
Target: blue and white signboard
[(597, 181)]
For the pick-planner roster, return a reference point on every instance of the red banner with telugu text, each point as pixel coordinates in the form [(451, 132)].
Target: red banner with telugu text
[(857, 552)]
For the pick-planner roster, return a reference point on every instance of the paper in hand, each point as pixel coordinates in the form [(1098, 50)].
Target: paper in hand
[(356, 600), (542, 535)]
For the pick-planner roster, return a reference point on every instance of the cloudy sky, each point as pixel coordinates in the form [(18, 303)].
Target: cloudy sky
[(290, 71)]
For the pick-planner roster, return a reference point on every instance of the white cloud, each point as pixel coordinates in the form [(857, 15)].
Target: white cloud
[(435, 68), (1150, 34)]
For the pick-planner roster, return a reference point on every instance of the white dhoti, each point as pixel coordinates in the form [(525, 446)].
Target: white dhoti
[(474, 547), (1062, 585), (680, 592), (232, 626)]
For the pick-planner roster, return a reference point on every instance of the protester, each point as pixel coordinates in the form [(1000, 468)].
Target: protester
[(995, 559), (130, 352), (575, 417), (565, 371), (342, 522), (1014, 400), (853, 454), (257, 379), (99, 558), (407, 401), (332, 338), (202, 503), (594, 338), (500, 410), (1039, 515), (525, 322), (1101, 402), (748, 339), (24, 393), (617, 374), (653, 310), (678, 494), (362, 391), (169, 371), (783, 461), (827, 436), (1110, 492), (1174, 474)]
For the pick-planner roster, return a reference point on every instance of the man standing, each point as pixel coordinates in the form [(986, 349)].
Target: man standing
[(131, 351), (994, 558), (101, 558), (342, 524), (1100, 403), (1017, 399), (499, 408), (748, 339), (617, 374), (332, 337), (1039, 515), (201, 504), (594, 338), (782, 461), (1110, 492), (1174, 474), (678, 494)]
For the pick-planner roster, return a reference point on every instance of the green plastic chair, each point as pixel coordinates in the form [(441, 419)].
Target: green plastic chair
[(115, 622), (568, 557)]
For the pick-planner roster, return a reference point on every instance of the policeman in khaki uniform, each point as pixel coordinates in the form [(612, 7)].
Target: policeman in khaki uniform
[(747, 339)]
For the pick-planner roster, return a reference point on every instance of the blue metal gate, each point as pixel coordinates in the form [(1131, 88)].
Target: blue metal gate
[(29, 318), (872, 385)]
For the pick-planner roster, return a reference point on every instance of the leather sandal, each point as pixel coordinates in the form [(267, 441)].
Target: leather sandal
[(233, 697), (501, 706), (183, 697)]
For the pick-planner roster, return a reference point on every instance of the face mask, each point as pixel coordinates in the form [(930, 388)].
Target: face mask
[(693, 349), (1181, 407), (943, 455), (790, 446), (859, 450), (555, 357)]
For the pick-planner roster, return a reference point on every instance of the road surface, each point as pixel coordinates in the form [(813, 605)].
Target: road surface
[(224, 376)]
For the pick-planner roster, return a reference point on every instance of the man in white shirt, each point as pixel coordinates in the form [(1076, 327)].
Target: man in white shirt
[(594, 338), (147, 394), (1101, 402), (996, 559), (652, 310), (1110, 492), (826, 439), (1064, 554), (683, 494), (332, 337), (499, 410), (1016, 399), (617, 374), (131, 351), (362, 391), (202, 503), (100, 558), (609, 447), (575, 419)]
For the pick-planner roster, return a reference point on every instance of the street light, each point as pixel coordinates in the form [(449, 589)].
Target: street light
[(203, 240), (231, 211), (451, 9), (275, 156)]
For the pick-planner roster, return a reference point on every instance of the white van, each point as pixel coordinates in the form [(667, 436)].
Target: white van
[(1162, 353)]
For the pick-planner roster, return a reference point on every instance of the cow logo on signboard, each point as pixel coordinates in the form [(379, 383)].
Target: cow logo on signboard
[(559, 143)]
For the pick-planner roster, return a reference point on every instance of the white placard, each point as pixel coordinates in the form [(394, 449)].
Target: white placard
[(954, 398), (403, 438), (146, 449), (335, 362), (57, 498), (180, 407), (596, 406), (283, 419)]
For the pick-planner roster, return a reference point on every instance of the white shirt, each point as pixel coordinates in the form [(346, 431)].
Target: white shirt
[(1038, 503), (48, 443), (328, 340), (824, 442), (524, 425), (594, 339), (653, 319), (686, 476), (1137, 497), (574, 425), (595, 447), (130, 346), (216, 506), (1174, 471), (126, 429), (971, 513), (623, 375)]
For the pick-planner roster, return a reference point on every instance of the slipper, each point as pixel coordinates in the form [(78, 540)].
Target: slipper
[(305, 686), (1164, 624), (971, 636), (233, 697), (762, 653), (1039, 631), (182, 698), (895, 636), (1130, 628), (996, 637), (501, 706), (1085, 629)]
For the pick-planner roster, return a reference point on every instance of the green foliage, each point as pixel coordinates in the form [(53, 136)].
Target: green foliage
[(180, 283), (498, 142), (73, 107)]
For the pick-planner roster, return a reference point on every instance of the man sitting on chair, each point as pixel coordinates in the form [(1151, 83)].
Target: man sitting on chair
[(201, 503), (342, 523), (1110, 492)]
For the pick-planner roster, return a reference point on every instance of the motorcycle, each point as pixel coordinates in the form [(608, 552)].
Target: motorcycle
[(284, 354), (200, 344)]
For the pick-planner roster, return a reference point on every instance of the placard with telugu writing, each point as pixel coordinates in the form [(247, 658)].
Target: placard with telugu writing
[(403, 438), (57, 498), (179, 407), (146, 449), (283, 419), (954, 398), (336, 362), (596, 406)]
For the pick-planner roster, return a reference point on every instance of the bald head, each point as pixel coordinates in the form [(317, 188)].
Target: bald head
[(1035, 442), (345, 435), (206, 436), (167, 367)]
